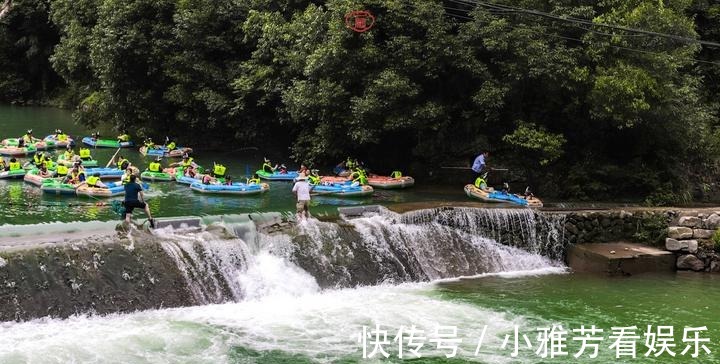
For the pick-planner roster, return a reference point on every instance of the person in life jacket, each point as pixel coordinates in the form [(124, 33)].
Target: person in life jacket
[(14, 165), (396, 174), (122, 163), (481, 183), (124, 137), (126, 176), (62, 170), (94, 181), (76, 176), (43, 172), (313, 177), (69, 154), (219, 170), (28, 138), (359, 177), (3, 165), (149, 144), (155, 166), (85, 154), (186, 162), (170, 146), (267, 167), (49, 164), (60, 136), (39, 159), (254, 180)]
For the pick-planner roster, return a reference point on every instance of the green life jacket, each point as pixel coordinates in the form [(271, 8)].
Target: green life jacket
[(396, 174), (38, 160), (62, 170), (14, 166), (92, 181), (219, 170), (314, 180), (154, 167)]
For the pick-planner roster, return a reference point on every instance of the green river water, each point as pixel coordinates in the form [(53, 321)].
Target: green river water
[(291, 320)]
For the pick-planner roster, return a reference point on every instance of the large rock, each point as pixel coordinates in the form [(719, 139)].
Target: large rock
[(690, 261), (692, 246), (715, 266), (679, 232), (712, 222), (702, 233), (690, 221), (674, 245)]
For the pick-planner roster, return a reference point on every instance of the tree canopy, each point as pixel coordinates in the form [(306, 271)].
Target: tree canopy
[(564, 91)]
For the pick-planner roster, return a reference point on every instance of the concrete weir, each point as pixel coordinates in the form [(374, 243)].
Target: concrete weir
[(619, 258)]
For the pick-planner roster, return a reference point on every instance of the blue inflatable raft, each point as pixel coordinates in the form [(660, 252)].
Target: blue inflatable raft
[(234, 189), (347, 189), (105, 172)]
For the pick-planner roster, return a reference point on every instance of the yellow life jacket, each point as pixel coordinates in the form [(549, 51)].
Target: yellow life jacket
[(171, 146), (254, 180), (396, 174), (69, 154), (27, 138), (2, 164), (187, 163), (14, 166), (154, 167), (49, 164), (38, 160), (126, 178), (85, 153), (62, 170), (92, 181), (61, 137), (314, 180), (361, 177), (120, 162), (219, 170), (480, 183), (123, 138)]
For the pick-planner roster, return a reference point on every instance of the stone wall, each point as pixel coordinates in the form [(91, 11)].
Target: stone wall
[(642, 226), (690, 238)]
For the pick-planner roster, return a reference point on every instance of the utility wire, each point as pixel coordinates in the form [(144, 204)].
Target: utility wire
[(462, 17), (587, 22)]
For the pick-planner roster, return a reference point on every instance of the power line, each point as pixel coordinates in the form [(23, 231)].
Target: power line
[(582, 41), (586, 22)]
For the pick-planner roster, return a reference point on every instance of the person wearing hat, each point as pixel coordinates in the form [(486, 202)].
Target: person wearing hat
[(301, 190)]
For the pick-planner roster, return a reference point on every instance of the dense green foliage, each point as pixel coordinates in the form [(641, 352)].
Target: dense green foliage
[(579, 111)]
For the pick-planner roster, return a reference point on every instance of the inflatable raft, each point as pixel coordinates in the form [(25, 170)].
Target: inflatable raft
[(39, 145), (158, 176), (20, 173), (164, 152), (33, 177), (387, 182), (498, 196), (106, 143), (56, 187), (105, 173), (86, 163), (59, 144), (112, 189), (277, 176), (17, 152), (186, 180), (234, 189), (346, 189)]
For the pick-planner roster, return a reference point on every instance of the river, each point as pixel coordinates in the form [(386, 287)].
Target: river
[(283, 309)]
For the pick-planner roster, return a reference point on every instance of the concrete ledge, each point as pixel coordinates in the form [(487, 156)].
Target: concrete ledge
[(621, 258)]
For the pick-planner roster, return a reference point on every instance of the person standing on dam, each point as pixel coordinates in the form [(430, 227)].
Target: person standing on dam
[(134, 198)]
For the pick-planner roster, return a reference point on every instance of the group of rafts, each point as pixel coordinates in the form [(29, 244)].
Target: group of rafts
[(349, 181), (60, 175)]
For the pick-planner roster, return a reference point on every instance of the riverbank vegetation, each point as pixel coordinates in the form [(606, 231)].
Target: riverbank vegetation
[(567, 94)]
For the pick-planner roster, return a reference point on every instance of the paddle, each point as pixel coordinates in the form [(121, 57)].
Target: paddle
[(113, 158)]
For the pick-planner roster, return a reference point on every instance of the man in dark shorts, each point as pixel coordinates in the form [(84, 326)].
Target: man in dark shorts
[(134, 199)]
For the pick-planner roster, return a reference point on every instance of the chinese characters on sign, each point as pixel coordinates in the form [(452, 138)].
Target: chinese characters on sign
[(552, 342)]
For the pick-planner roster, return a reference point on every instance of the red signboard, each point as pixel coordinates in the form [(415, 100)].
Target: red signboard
[(359, 20)]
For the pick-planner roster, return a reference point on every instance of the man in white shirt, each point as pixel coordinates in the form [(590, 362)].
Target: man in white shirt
[(301, 189)]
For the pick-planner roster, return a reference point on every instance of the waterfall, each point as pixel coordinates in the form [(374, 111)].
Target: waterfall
[(237, 260)]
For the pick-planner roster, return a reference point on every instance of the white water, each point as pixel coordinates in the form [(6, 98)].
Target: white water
[(280, 309)]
